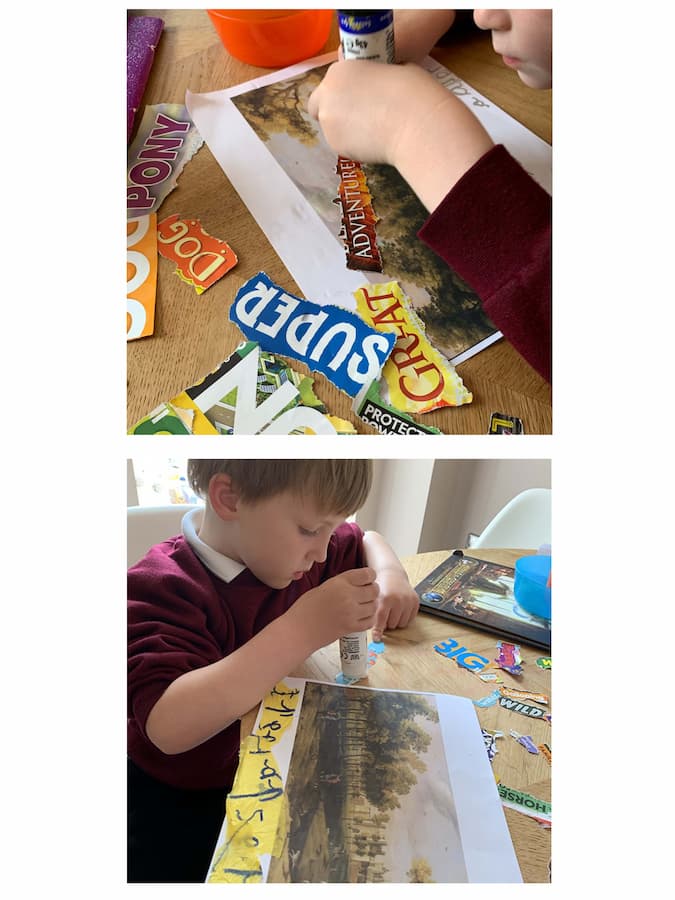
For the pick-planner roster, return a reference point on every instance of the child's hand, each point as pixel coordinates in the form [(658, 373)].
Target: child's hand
[(342, 604), (362, 105), (399, 115), (397, 604)]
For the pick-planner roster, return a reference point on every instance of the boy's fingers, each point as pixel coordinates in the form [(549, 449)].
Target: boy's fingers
[(359, 577), (395, 617), (413, 609), (406, 620), (380, 622), (313, 102)]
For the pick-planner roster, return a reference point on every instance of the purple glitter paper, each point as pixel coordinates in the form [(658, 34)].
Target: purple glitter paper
[(143, 34)]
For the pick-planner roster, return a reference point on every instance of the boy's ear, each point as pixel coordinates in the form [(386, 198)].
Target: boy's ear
[(223, 497)]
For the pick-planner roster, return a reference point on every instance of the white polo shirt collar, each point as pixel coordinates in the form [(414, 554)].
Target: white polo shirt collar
[(215, 562)]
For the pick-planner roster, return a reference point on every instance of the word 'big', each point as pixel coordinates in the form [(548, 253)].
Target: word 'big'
[(465, 658)]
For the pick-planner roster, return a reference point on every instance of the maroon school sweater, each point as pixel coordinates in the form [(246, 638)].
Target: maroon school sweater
[(181, 617), (494, 230)]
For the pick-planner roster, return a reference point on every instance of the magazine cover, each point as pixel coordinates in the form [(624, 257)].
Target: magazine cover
[(477, 593)]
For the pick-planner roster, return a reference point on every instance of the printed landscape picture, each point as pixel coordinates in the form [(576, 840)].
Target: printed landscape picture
[(369, 799), (450, 310)]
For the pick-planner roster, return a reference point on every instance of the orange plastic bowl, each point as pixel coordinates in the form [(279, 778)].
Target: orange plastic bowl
[(272, 38)]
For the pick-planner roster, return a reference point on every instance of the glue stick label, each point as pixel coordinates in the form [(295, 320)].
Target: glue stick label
[(367, 35), (354, 654)]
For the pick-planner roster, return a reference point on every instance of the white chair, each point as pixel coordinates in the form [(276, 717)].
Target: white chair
[(524, 523), (148, 525)]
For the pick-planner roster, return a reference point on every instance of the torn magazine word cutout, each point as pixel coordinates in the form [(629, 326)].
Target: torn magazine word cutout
[(545, 751), (165, 141), (419, 378), (491, 676), (200, 258), (467, 659), (490, 739), (503, 424), (328, 339), (176, 416), (490, 700), (334, 787), (251, 392), (516, 694), (525, 709), (509, 658), (525, 803), (358, 219), (372, 409), (141, 276), (525, 740)]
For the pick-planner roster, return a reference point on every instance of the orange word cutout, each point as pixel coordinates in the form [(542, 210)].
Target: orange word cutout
[(141, 275), (358, 218), (200, 258)]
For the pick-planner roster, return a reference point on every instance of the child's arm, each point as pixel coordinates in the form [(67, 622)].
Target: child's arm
[(402, 116), (491, 221), (397, 603), (417, 31), (204, 701)]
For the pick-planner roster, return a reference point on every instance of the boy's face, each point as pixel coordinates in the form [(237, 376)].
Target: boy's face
[(522, 37), (282, 537)]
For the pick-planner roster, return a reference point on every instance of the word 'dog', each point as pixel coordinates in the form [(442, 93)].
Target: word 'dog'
[(328, 339)]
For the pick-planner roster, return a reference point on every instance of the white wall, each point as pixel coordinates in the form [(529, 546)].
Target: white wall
[(496, 481), (453, 483), (423, 505), (397, 503)]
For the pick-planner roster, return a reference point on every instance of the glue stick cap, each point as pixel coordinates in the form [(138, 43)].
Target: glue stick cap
[(272, 38)]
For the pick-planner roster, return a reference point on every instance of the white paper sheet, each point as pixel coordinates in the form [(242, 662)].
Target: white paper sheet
[(472, 841)]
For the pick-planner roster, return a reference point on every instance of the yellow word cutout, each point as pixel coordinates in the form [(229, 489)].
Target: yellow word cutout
[(256, 806), (419, 378)]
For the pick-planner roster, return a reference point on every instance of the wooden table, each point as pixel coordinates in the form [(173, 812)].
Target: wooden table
[(193, 333), (409, 662)]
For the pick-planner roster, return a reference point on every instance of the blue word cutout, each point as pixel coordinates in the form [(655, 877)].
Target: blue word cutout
[(465, 658), (328, 339)]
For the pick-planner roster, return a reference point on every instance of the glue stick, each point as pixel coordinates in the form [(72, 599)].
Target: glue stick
[(367, 34), (354, 654)]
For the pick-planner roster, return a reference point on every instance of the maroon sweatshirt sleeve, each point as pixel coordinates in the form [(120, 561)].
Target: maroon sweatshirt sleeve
[(494, 229), (345, 550)]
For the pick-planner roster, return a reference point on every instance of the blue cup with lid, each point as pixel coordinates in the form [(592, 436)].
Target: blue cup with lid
[(530, 585)]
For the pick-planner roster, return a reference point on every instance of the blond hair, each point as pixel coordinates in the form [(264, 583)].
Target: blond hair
[(338, 486)]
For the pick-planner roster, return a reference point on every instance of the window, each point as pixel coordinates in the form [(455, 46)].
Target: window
[(159, 482)]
